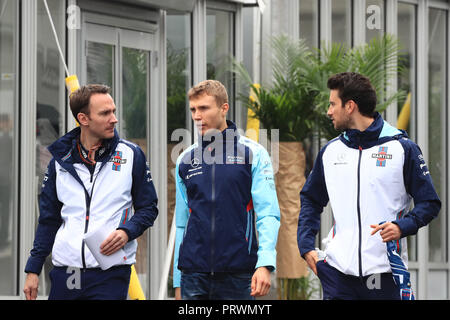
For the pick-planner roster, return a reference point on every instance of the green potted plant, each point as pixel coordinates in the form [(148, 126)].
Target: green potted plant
[(288, 106), (380, 60)]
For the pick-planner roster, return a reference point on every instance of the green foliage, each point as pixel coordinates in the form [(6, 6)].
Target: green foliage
[(176, 88), (297, 289), (135, 93), (297, 100)]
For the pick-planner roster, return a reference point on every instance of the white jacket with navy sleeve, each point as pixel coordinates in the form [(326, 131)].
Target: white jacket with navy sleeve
[(368, 177), (118, 194)]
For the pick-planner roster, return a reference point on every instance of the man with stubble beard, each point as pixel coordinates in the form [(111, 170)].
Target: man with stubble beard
[(369, 174), (94, 180)]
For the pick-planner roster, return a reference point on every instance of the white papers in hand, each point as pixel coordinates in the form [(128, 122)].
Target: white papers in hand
[(94, 239)]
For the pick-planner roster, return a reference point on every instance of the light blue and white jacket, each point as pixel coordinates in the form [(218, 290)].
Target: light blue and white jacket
[(224, 188), (117, 194), (367, 177)]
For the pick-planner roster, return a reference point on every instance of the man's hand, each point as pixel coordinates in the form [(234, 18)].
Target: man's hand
[(178, 293), (260, 282), (31, 286), (116, 240), (389, 231), (311, 258)]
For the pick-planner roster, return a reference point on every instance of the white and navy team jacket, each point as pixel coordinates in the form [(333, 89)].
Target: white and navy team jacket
[(368, 177), (75, 200)]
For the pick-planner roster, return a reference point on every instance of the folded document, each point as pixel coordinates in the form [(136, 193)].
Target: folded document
[(94, 239)]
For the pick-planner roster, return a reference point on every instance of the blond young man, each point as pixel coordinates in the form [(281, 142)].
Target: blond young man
[(225, 195)]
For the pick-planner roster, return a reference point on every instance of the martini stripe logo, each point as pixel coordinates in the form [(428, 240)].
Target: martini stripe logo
[(382, 156)]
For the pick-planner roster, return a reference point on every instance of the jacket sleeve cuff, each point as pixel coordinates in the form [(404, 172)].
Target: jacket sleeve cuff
[(177, 278), (34, 265), (305, 251), (129, 233), (266, 259), (407, 226)]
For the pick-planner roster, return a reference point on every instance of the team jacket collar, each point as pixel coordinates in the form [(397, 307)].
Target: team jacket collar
[(378, 132), (230, 133), (63, 148)]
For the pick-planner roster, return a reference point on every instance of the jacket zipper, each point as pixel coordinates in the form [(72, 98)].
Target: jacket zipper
[(359, 212), (88, 198), (249, 232), (213, 214), (86, 224)]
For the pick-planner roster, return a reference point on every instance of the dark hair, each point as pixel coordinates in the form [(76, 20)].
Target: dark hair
[(80, 98), (356, 87)]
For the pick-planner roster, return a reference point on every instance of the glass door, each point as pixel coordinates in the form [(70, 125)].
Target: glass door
[(120, 58), (9, 143), (135, 120), (99, 63)]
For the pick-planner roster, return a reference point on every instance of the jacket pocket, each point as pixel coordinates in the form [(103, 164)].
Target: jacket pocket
[(319, 265)]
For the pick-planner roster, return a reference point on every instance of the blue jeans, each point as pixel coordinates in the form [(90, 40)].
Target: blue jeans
[(217, 286)]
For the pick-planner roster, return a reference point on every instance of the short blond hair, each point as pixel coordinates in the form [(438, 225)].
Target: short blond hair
[(212, 88)]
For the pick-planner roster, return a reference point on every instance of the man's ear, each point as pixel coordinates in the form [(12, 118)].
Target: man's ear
[(225, 108), (351, 106), (82, 119)]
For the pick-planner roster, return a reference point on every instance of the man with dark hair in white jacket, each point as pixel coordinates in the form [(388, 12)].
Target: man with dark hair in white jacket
[(369, 174)]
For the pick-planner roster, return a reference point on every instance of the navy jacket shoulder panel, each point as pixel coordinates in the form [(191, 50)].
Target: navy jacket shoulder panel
[(49, 221), (143, 193), (313, 198), (419, 185), (377, 133)]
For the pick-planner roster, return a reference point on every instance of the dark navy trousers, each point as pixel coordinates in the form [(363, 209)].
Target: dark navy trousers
[(339, 286), (69, 283)]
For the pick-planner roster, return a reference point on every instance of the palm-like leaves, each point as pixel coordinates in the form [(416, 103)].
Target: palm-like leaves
[(285, 111), (378, 60), (298, 99)]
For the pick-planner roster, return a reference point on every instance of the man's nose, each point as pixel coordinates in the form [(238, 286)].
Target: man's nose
[(196, 116), (114, 118), (329, 112)]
